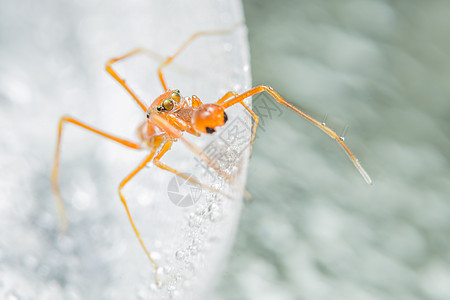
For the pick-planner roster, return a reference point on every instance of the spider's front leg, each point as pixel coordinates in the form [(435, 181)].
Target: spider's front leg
[(122, 198), (327, 130), (174, 134), (113, 73)]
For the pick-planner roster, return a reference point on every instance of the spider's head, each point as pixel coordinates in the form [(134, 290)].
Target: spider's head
[(167, 102), (209, 116)]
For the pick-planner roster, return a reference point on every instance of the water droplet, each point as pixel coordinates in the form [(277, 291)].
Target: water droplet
[(215, 212), (201, 210), (178, 276), (180, 255), (213, 207), (171, 287), (167, 270), (194, 221), (195, 242), (193, 250)]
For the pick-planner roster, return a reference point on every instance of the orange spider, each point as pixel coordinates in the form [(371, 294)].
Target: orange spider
[(167, 118)]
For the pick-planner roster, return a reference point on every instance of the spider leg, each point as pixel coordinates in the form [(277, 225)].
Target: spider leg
[(229, 94), (252, 113), (110, 70), (185, 44), (196, 102), (174, 133), (54, 178), (122, 198), (327, 130), (156, 161)]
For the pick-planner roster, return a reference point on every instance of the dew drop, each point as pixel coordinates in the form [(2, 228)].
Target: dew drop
[(195, 242), (194, 221), (215, 212), (178, 276), (193, 250), (201, 210), (180, 254), (171, 288), (213, 207), (167, 270), (160, 272)]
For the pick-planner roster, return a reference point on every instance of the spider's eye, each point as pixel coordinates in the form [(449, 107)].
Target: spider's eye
[(159, 108), (176, 96), (167, 104)]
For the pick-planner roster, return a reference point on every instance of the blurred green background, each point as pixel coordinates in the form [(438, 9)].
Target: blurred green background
[(314, 229)]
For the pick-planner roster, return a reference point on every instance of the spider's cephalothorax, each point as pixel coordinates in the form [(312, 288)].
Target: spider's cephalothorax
[(170, 101), (188, 114)]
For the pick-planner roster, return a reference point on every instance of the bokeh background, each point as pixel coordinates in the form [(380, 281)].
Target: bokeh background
[(314, 229)]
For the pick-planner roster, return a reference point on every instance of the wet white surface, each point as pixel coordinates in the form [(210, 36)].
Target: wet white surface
[(52, 58)]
